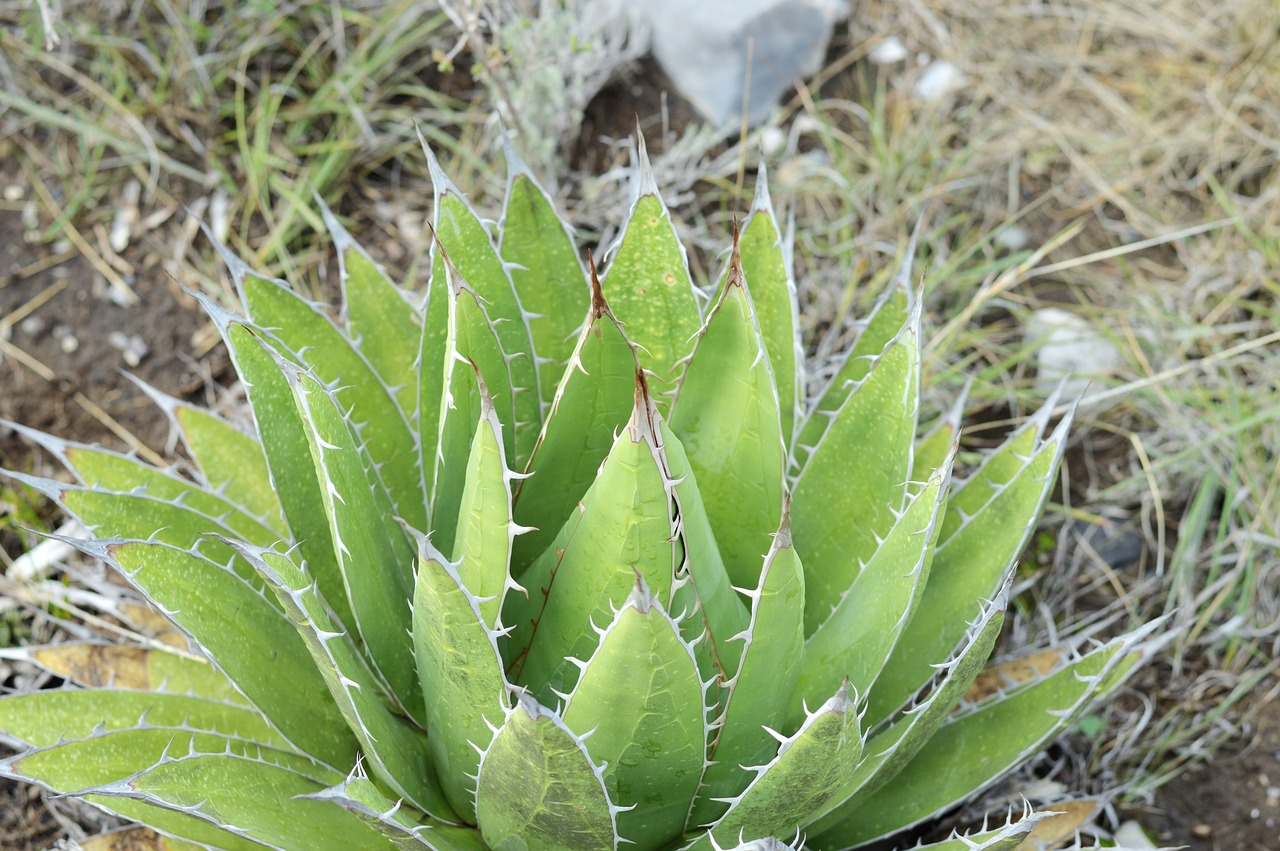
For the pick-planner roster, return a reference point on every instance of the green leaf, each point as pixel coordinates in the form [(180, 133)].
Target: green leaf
[(460, 674), (463, 242), (726, 416), (649, 287), (979, 744), (230, 462), (482, 545), (396, 752), (1010, 836), (246, 636), (385, 328), (801, 779), (250, 797), (773, 644), (892, 748), (641, 706), (287, 450), (895, 308), (407, 829), (624, 528), (702, 585), (538, 248), (538, 788), (972, 556), (593, 400), (856, 641), (306, 335), (374, 553), (767, 267), (476, 368), (858, 470), (933, 449)]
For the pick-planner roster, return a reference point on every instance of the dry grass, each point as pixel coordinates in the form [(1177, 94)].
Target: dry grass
[(1134, 143)]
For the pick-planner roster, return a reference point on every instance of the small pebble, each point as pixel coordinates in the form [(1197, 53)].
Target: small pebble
[(132, 347), (1012, 239), (1202, 831), (13, 192), (937, 80), (1255, 813), (772, 140), (69, 344), (889, 51), (32, 325)]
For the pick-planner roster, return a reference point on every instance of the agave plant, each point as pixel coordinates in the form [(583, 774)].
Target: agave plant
[(551, 561)]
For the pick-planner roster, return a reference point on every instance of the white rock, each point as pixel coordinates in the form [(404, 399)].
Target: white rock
[(1130, 835), (889, 51), (1012, 238), (938, 79), (772, 140), (1069, 347), (703, 46)]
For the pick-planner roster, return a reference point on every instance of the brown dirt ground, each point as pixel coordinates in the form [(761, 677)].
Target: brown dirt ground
[(1229, 803)]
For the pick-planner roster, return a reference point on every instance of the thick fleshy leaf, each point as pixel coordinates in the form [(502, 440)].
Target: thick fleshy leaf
[(108, 756), (396, 752), (306, 335), (772, 645), (855, 642), (374, 553), (407, 829), (891, 312), (460, 673), (702, 589), (250, 797), (543, 263), (773, 290), (468, 248), (230, 462), (640, 705), (726, 416), (248, 638), (800, 780), (593, 400), (484, 531), (124, 666), (893, 747), (44, 718), (938, 442), (476, 367), (383, 325), (997, 506), (538, 787), (624, 528), (287, 450), (1007, 837), (649, 287), (858, 470), (975, 747)]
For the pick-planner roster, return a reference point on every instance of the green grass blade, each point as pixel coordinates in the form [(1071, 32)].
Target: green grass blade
[(533, 764), (858, 470), (726, 417), (642, 702)]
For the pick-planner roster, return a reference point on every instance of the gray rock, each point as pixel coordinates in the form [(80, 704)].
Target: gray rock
[(704, 45)]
